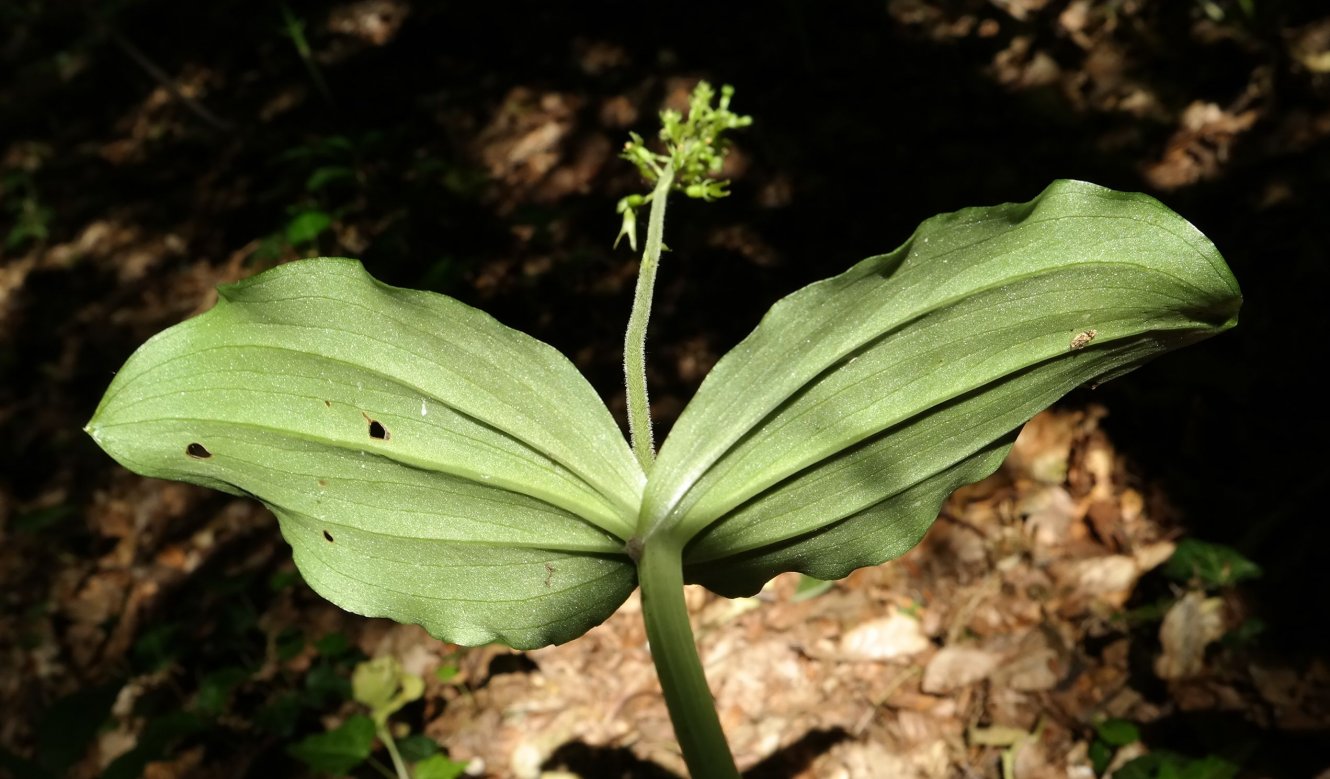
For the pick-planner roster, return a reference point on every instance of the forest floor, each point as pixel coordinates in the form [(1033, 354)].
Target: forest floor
[(1142, 581)]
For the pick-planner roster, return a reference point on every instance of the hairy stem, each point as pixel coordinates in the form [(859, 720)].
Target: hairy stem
[(634, 344), (692, 709)]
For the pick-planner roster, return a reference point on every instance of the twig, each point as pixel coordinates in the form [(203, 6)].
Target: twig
[(160, 77)]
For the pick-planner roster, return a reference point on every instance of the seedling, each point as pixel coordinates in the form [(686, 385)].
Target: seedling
[(1110, 735), (383, 688), (433, 466)]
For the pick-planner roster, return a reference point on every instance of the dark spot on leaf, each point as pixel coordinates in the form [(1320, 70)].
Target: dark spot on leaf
[(327, 536), (323, 482), (376, 428), (197, 451), (328, 403)]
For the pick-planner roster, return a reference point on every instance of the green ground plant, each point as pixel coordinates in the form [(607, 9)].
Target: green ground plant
[(382, 687), (430, 465), (29, 218)]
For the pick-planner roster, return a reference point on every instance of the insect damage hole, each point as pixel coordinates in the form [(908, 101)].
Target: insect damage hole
[(327, 536), (376, 429), (198, 451)]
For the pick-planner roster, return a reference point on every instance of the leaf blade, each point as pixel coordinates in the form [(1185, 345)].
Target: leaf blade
[(332, 398), (1082, 283)]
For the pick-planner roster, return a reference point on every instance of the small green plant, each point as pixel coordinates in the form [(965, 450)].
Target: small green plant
[(1202, 566), (1162, 764), (433, 466), (30, 219), (383, 688), (1114, 733), (1111, 735), (1210, 565)]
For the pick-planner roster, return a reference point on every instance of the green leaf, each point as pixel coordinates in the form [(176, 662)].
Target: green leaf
[(328, 174), (306, 226), (426, 463), (416, 747), (1118, 732), (1162, 764), (438, 767), (215, 689), (828, 438), (1214, 565), (339, 750), (809, 588), (1101, 755)]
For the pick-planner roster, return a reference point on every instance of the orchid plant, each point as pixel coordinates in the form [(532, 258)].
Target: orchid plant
[(430, 465)]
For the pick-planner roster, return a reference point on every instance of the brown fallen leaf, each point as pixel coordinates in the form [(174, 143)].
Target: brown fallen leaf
[(886, 638), (956, 667), (1191, 625)]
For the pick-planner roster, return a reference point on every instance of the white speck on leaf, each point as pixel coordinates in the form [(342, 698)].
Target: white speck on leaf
[(423, 410)]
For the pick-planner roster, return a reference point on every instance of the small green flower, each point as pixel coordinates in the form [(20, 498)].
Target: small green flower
[(694, 149), (383, 687)]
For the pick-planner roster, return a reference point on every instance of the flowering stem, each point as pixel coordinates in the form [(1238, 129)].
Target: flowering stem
[(634, 345), (390, 744), (674, 653)]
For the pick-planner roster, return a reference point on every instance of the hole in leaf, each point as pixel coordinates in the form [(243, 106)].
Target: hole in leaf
[(377, 430), (327, 536), (197, 451)]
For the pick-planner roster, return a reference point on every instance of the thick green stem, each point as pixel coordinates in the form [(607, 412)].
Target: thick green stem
[(692, 709), (634, 344)]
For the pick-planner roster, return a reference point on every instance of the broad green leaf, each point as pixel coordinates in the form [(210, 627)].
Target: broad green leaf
[(338, 750), (828, 438), (426, 463), (306, 226), (1118, 732), (417, 747), (438, 767), (1214, 565)]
